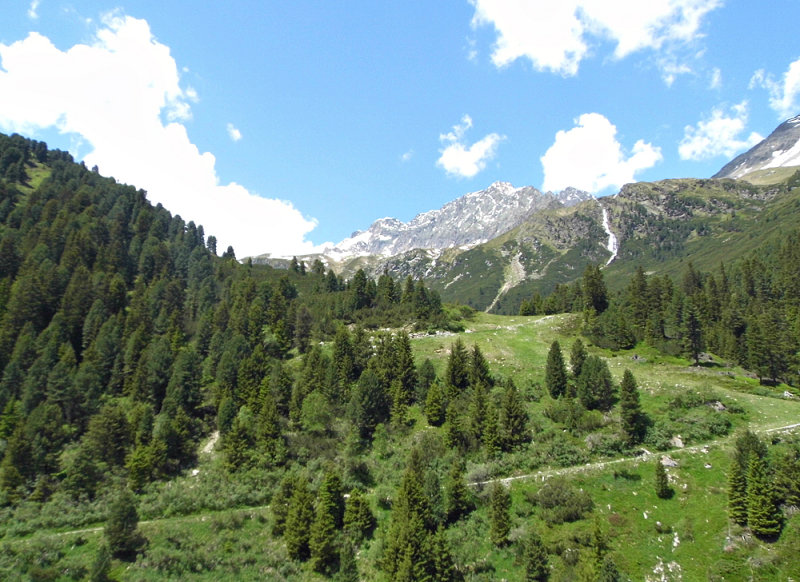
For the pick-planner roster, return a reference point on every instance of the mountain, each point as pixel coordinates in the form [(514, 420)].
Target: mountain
[(472, 219), (780, 150)]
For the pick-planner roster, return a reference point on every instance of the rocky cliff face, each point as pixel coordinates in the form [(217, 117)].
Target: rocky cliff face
[(781, 149), (472, 219)]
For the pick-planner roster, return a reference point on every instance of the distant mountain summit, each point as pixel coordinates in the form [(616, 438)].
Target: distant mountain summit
[(780, 150), (470, 220)]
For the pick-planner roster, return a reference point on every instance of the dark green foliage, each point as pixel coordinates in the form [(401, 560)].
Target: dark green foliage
[(370, 404), (595, 387), (534, 559), (122, 527), (359, 521), (299, 516), (513, 419), (560, 502), (661, 482), (499, 513), (630, 411), (763, 514), (577, 356), (458, 366), (329, 511), (435, 404), (737, 494), (595, 296), (555, 372), (458, 500)]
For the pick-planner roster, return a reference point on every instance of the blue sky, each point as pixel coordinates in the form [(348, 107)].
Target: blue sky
[(280, 126)]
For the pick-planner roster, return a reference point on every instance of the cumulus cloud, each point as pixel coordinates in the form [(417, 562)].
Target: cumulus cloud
[(233, 133), (784, 94), (459, 159), (557, 36), (589, 157), (719, 135), (114, 95)]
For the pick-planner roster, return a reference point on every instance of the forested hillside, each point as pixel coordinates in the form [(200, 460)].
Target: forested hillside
[(168, 413)]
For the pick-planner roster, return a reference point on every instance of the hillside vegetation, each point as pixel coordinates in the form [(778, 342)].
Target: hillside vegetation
[(168, 413)]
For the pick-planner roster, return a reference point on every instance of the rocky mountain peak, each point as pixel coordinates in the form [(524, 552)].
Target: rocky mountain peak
[(467, 221), (781, 149)]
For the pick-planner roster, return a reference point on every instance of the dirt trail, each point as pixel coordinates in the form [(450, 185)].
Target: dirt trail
[(646, 455)]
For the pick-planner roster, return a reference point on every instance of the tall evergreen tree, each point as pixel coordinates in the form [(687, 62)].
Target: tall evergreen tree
[(534, 557), (630, 409), (661, 484), (555, 372), (457, 372), (299, 516), (457, 496), (763, 514), (122, 527), (737, 494), (513, 418), (577, 356), (499, 513)]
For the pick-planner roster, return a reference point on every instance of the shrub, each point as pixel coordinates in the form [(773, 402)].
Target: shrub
[(560, 502)]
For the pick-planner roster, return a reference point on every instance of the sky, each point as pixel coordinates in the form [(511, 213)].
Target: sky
[(282, 126)]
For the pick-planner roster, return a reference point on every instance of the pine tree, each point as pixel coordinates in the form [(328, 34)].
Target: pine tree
[(535, 559), (662, 488), (328, 518), (122, 527), (499, 513), (513, 419), (737, 494), (595, 386), (435, 404), (348, 567), (630, 410), (299, 516), (444, 569), (457, 372), (555, 371), (763, 514), (457, 496), (577, 356), (358, 521), (692, 331)]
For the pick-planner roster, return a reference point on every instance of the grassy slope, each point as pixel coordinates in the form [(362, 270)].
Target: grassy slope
[(236, 542)]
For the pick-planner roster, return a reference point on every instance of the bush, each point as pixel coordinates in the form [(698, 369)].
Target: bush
[(560, 502)]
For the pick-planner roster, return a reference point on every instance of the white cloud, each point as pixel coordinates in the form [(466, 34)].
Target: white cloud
[(458, 159), (589, 157), (113, 95), (716, 79), (784, 95), (718, 135), (557, 36), (233, 133), (33, 13), (406, 157)]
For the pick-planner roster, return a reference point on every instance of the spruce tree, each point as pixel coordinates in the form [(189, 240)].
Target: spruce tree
[(555, 372), (348, 567), (534, 556), (577, 356), (444, 569), (328, 516), (435, 404), (122, 527), (358, 521), (499, 513), (299, 516), (737, 494), (662, 487), (513, 419), (457, 496), (763, 514), (457, 372), (630, 410)]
